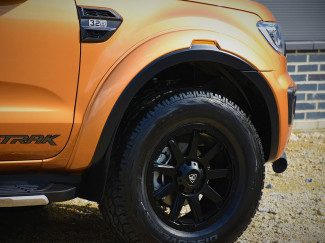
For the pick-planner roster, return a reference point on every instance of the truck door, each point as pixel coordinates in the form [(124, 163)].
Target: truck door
[(39, 65)]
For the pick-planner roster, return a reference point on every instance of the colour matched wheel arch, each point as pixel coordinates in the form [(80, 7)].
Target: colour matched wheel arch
[(99, 165)]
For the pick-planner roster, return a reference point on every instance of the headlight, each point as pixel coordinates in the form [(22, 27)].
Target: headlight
[(272, 33)]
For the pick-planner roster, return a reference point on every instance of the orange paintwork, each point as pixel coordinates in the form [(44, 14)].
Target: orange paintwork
[(150, 29), (39, 66), (242, 5)]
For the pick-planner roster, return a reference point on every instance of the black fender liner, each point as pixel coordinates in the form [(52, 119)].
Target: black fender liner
[(95, 176)]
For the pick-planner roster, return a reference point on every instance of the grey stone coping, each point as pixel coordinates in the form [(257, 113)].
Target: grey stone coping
[(305, 45)]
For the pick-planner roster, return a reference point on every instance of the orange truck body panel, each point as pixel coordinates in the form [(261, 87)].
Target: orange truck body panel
[(39, 67), (46, 66)]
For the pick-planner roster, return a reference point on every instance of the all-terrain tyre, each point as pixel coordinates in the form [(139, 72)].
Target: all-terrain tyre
[(191, 170)]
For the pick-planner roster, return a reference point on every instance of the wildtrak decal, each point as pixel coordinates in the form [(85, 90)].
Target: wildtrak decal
[(25, 139)]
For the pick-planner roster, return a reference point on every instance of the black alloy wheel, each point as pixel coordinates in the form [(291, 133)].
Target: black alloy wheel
[(192, 172), (189, 167)]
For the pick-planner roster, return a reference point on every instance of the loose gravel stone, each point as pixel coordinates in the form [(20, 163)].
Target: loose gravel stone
[(320, 213), (269, 186)]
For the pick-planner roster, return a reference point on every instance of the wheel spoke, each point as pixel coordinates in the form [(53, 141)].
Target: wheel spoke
[(211, 194), (217, 173), (176, 207), (164, 191), (210, 154), (176, 152), (194, 145), (165, 169), (195, 208), (191, 163)]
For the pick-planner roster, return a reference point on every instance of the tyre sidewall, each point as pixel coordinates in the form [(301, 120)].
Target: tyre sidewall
[(153, 128)]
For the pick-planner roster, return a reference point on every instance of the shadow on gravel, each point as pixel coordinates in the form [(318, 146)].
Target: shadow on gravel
[(54, 223)]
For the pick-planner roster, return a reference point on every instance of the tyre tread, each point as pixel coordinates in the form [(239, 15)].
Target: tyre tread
[(112, 206)]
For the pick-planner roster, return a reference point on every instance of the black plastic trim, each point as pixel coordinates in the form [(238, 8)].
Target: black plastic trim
[(291, 105), (265, 89), (160, 64), (55, 187), (91, 34), (198, 53)]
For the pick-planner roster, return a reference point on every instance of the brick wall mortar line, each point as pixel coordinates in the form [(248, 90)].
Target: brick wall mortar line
[(315, 101)]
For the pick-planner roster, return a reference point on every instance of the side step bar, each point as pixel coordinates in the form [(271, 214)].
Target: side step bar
[(37, 189), (52, 192), (24, 201)]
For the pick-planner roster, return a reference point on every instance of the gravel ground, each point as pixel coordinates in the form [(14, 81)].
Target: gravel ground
[(292, 208)]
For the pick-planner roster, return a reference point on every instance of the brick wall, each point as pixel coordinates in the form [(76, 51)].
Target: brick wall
[(307, 69)]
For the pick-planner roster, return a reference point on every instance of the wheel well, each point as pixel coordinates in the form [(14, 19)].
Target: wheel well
[(209, 76), (247, 89)]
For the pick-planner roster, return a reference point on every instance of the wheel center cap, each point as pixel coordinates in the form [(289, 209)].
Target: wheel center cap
[(192, 177)]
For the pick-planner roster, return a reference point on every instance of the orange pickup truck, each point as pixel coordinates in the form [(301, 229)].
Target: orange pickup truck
[(164, 112)]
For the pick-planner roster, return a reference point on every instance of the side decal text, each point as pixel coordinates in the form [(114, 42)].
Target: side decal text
[(25, 139)]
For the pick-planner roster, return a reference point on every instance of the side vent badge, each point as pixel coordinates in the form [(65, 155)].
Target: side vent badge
[(97, 25)]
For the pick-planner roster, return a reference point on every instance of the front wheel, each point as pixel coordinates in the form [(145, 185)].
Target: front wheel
[(192, 170)]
